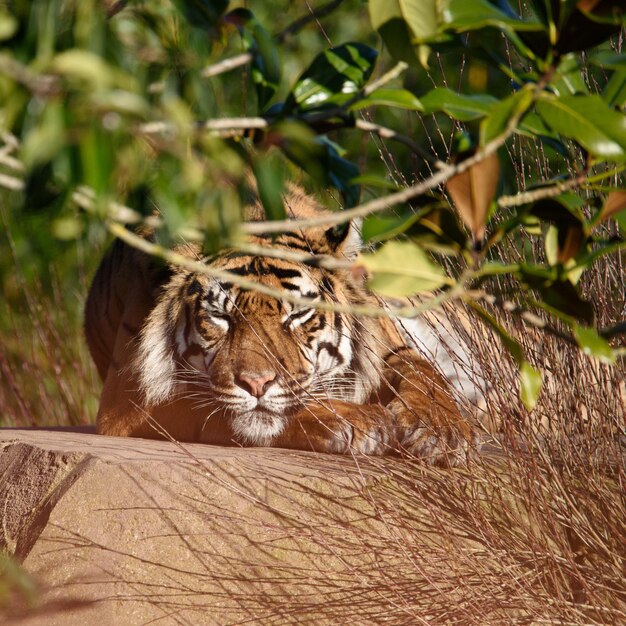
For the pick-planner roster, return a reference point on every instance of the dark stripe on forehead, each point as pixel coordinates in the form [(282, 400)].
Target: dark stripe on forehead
[(281, 272), (242, 270)]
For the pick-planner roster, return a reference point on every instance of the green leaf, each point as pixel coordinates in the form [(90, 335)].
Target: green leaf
[(8, 24), (614, 93), (594, 345), (465, 15), (269, 174), (371, 180), (530, 378), (381, 227), (502, 113), (458, 106), (560, 295), (335, 77), (266, 69), (401, 98), (85, 66), (319, 157), (589, 121), (511, 344), (400, 268), (403, 23), (67, 228), (608, 59), (569, 79), (583, 29), (530, 385), (422, 16), (44, 140)]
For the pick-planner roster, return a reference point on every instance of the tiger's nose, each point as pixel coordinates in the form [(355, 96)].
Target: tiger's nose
[(257, 383)]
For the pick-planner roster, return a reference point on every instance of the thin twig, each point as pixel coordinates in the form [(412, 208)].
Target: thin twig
[(541, 193), (385, 202), (387, 77), (297, 25), (389, 133), (528, 316), (226, 65), (220, 126), (12, 183)]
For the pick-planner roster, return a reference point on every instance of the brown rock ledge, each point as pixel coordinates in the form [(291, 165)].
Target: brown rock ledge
[(136, 531)]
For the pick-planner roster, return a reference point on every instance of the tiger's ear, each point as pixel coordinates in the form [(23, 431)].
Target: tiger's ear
[(345, 239)]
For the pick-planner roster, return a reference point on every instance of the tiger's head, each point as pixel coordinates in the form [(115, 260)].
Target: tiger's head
[(253, 357)]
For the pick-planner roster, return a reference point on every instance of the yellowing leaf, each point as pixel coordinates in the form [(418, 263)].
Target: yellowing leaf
[(472, 193), (530, 385), (615, 202), (400, 268)]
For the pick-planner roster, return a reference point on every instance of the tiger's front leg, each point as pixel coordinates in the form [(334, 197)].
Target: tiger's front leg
[(337, 426), (428, 423), (412, 413)]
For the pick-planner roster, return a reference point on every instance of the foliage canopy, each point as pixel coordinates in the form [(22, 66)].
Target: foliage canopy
[(110, 110)]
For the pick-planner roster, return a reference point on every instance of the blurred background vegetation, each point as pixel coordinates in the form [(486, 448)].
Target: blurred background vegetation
[(107, 110)]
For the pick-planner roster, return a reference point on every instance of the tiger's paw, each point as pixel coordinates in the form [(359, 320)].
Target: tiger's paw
[(444, 441), (342, 427)]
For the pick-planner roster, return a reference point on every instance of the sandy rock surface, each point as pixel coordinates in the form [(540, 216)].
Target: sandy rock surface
[(129, 531)]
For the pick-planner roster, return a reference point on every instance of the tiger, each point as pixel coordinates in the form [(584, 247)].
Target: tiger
[(191, 357)]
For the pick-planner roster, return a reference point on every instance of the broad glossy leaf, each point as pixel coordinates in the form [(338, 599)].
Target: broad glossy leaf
[(401, 268), (464, 15), (401, 98), (403, 23), (594, 345), (458, 106), (502, 113), (530, 384), (335, 77), (569, 79), (589, 121), (472, 192)]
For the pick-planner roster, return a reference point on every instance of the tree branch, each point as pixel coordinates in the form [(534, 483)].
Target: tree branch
[(380, 204), (200, 267)]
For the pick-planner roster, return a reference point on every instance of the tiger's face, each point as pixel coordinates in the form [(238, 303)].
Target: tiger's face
[(254, 358)]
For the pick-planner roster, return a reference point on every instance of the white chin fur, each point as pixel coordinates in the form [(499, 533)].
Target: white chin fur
[(257, 428)]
